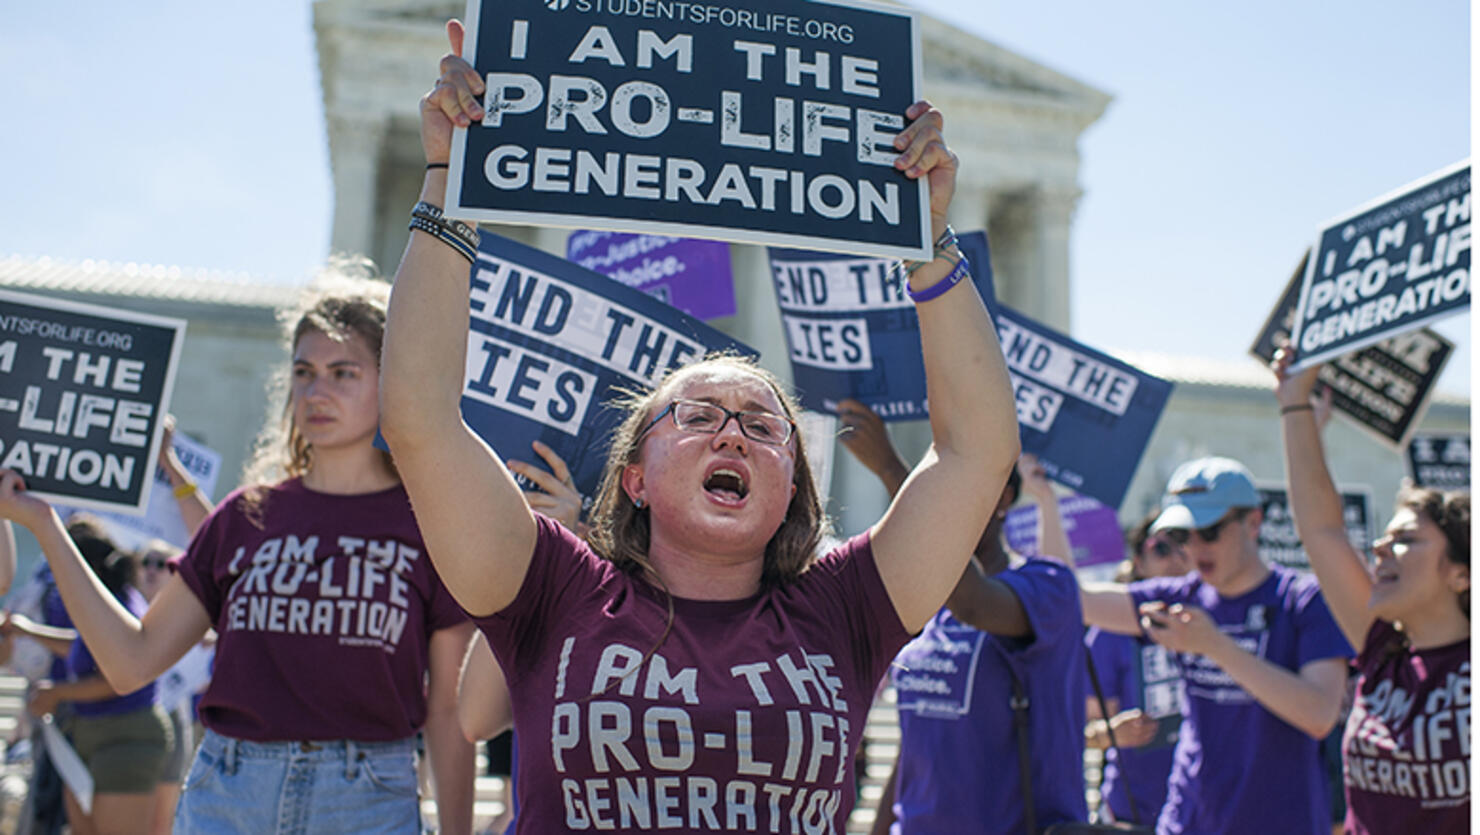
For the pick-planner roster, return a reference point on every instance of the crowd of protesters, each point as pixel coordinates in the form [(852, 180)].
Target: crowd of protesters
[(690, 655)]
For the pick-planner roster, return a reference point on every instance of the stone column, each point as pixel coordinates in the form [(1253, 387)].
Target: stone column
[(1051, 214), (355, 142)]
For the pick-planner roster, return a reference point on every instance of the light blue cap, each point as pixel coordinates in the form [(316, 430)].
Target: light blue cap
[(1203, 491)]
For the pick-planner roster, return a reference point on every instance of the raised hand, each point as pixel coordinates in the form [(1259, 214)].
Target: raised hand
[(560, 499), (923, 153), (455, 101), (863, 434)]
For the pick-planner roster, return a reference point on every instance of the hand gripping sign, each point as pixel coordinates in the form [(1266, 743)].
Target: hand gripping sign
[(83, 393), (549, 342), (758, 121), (1383, 387)]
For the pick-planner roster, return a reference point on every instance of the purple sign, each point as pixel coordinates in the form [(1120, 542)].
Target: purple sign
[(1093, 529), (691, 275)]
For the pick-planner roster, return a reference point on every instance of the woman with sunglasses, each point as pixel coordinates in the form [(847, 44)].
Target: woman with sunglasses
[(698, 666), (1263, 663), (1406, 750), (1143, 693), (337, 641)]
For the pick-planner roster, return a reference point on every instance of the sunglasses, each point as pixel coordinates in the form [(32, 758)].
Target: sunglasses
[(711, 419), (1208, 535), (1162, 547), (152, 562)]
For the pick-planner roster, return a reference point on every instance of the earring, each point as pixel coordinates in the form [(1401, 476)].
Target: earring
[(637, 503)]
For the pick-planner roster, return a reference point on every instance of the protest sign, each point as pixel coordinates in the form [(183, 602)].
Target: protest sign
[(1384, 387), (549, 344), (692, 275), (1278, 542), (1086, 415), (1440, 461), (1392, 265), (761, 121), (161, 518), (85, 392), (852, 332), (1093, 530)]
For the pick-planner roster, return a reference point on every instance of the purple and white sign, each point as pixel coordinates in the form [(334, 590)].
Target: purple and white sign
[(691, 275), (1093, 530)]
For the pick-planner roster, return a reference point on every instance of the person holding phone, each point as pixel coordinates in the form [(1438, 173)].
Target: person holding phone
[(1262, 660)]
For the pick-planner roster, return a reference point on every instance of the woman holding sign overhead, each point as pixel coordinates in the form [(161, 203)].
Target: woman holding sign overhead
[(698, 666), (1406, 750), (337, 642)]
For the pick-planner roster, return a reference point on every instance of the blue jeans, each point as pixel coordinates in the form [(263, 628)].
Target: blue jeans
[(289, 788)]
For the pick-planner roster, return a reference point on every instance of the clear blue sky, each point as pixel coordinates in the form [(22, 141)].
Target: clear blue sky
[(192, 134)]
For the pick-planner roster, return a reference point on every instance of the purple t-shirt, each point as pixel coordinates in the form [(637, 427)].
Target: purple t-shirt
[(1406, 750), (1139, 674), (958, 764), (1238, 768), (80, 665), (744, 717), (324, 606)]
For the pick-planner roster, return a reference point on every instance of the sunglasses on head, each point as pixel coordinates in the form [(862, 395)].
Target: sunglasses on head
[(1208, 535)]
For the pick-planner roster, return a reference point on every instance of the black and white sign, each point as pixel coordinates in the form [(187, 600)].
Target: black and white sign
[(1278, 542), (758, 121), (161, 517), (83, 393), (1390, 266), (1440, 461), (1384, 387), (549, 344)]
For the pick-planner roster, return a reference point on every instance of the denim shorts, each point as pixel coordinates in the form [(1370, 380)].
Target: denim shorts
[(287, 788)]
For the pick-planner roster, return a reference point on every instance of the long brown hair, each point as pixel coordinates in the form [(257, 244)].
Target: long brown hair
[(344, 301), (620, 530), (1450, 511)]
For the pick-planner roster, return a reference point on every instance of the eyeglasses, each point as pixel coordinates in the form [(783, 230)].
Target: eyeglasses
[(1162, 547), (1208, 535), (711, 419)]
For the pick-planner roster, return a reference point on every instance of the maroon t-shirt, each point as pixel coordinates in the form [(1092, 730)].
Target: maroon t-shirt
[(744, 717), (324, 605), (1406, 750)]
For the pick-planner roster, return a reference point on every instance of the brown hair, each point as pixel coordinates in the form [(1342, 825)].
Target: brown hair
[(345, 300), (619, 529), (1450, 511), (113, 565)]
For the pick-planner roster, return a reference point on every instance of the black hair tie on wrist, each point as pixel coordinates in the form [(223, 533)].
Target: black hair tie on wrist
[(432, 165)]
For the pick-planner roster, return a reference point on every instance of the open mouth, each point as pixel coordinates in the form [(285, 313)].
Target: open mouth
[(726, 484)]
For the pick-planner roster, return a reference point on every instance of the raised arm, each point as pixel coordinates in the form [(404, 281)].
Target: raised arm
[(1053, 540), (1316, 505), (194, 506), (130, 652), (977, 599), (477, 527), (925, 537)]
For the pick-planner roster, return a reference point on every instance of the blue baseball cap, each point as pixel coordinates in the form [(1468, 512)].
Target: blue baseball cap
[(1203, 491)]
